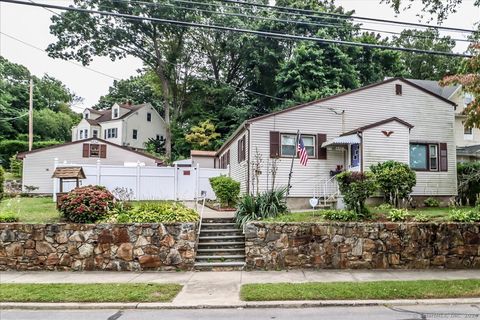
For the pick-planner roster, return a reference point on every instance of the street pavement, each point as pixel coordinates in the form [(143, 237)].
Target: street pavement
[(328, 313)]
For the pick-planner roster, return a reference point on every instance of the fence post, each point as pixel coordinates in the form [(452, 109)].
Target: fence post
[(197, 181), (55, 180), (98, 172), (175, 182), (137, 182)]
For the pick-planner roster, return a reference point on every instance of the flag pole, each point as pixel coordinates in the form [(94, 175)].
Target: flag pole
[(291, 165)]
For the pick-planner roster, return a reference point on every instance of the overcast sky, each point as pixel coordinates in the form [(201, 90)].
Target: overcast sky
[(31, 25)]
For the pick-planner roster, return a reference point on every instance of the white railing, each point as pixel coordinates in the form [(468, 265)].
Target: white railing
[(330, 189), (203, 197)]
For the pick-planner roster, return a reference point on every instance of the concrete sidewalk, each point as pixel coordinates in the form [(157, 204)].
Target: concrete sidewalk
[(221, 289)]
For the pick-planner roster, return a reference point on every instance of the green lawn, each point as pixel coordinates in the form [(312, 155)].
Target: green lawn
[(31, 210), (434, 214), (425, 289), (66, 292)]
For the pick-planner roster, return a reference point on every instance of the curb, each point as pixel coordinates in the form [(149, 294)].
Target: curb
[(239, 305)]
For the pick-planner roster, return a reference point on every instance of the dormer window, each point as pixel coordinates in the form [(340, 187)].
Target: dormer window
[(115, 113), (149, 117), (85, 115)]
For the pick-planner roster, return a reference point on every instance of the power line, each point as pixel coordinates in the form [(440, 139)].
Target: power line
[(74, 63), (248, 16), (14, 118), (176, 65), (347, 16), (238, 30)]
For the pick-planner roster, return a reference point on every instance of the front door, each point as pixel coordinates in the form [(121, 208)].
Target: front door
[(355, 155)]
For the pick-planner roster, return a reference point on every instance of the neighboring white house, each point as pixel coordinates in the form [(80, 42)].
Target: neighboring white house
[(467, 139), (38, 164), (392, 120), (125, 125)]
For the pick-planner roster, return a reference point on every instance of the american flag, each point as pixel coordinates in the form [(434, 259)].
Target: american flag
[(302, 152)]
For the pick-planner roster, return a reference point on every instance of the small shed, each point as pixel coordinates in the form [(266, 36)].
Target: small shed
[(69, 173)]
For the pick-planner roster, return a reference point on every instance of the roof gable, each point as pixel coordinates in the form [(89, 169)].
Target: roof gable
[(376, 124), (350, 92)]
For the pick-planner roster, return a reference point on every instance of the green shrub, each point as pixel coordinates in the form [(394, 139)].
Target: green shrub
[(468, 181), (431, 202), (339, 215), (2, 180), (395, 179), (356, 188), (86, 204), (384, 207), (226, 189), (156, 212), (8, 217), (398, 215), (16, 166), (464, 215), (266, 205), (420, 217)]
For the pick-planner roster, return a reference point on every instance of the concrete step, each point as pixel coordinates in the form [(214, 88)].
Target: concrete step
[(206, 265), (222, 237), (217, 220), (223, 243), (222, 257), (224, 230), (220, 251), (208, 226)]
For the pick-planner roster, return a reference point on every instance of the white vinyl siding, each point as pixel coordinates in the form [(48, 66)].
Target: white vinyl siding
[(377, 147), (432, 118), (238, 171)]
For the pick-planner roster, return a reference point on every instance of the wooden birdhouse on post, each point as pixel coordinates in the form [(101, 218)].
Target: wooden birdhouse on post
[(68, 174)]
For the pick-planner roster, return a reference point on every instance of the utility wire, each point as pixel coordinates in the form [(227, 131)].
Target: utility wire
[(344, 16), (14, 118), (238, 30), (177, 65), (74, 63), (298, 22)]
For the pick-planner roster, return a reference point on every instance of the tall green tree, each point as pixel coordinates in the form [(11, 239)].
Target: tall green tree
[(426, 66)]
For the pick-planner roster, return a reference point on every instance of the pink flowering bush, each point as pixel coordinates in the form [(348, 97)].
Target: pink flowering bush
[(86, 204)]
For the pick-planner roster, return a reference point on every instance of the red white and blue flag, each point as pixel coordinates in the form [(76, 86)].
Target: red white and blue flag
[(302, 152)]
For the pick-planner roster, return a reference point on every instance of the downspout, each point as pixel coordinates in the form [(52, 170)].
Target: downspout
[(247, 127)]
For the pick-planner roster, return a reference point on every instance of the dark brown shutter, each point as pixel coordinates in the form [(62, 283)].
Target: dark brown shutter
[(274, 144), (239, 151), (86, 150), (398, 89), (103, 151), (244, 148), (228, 157), (443, 157), (322, 152)]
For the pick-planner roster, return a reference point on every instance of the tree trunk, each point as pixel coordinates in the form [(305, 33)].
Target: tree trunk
[(166, 109)]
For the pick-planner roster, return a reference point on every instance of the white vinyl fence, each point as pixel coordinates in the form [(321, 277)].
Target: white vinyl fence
[(147, 182)]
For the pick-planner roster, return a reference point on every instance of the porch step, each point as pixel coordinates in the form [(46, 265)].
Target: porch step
[(220, 265), (221, 245)]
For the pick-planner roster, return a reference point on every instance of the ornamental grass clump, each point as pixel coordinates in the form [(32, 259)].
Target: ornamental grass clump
[(86, 204)]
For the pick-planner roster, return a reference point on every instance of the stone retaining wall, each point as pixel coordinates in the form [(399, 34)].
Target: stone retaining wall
[(122, 247), (339, 245)]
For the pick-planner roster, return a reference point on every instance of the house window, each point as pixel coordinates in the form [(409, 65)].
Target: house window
[(424, 157), (289, 147), (398, 89), (95, 133), (85, 115), (467, 130), (134, 134), (86, 134), (111, 133), (81, 134), (94, 150), (241, 147), (433, 157), (115, 113), (149, 117)]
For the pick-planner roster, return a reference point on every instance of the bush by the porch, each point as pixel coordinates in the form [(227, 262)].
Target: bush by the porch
[(395, 179), (356, 188), (226, 190), (86, 204)]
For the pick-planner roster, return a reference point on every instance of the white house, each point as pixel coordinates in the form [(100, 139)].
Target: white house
[(38, 164), (467, 139), (392, 120), (125, 125)]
